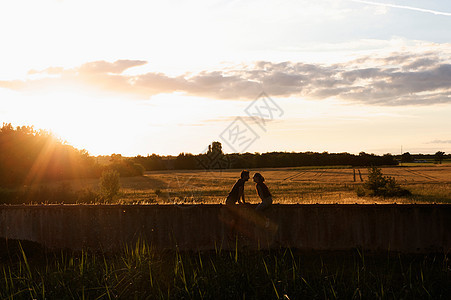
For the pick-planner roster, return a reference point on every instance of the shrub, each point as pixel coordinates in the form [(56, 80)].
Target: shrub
[(87, 196), (393, 189), (139, 169), (376, 181), (109, 185), (360, 191), (385, 186)]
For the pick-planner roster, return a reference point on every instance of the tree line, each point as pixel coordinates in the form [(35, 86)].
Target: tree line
[(29, 156), (214, 158), (438, 157)]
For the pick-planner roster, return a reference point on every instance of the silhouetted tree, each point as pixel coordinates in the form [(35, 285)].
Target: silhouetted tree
[(29, 156), (407, 157), (151, 162), (214, 158), (376, 182), (116, 158), (185, 161), (439, 156), (126, 167), (380, 185), (215, 147)]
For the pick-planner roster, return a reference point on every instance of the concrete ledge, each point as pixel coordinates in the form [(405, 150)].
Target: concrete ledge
[(404, 228)]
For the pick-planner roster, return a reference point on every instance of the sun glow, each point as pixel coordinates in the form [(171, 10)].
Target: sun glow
[(183, 66), (97, 124)]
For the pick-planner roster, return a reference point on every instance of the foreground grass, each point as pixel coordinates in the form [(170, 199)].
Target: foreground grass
[(142, 273)]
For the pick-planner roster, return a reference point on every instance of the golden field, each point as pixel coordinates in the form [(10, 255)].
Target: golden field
[(428, 184)]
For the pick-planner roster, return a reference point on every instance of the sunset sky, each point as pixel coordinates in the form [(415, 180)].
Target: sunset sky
[(164, 77)]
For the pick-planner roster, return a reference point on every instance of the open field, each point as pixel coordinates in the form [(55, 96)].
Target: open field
[(428, 184)]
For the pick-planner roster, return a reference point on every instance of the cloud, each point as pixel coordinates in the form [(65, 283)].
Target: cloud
[(117, 67), (246, 119), (440, 142), (396, 79)]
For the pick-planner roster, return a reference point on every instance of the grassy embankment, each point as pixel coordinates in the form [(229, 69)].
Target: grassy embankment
[(142, 273)]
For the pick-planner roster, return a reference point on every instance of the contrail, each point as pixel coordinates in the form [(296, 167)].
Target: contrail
[(404, 7)]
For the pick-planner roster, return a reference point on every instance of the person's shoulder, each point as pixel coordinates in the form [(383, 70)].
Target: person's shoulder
[(263, 185), (239, 182)]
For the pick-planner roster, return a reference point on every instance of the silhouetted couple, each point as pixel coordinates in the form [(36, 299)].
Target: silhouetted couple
[(237, 191)]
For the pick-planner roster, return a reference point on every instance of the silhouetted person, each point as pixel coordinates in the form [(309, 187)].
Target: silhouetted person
[(237, 191), (263, 192)]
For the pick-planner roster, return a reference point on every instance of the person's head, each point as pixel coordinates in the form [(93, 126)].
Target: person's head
[(258, 178), (245, 175)]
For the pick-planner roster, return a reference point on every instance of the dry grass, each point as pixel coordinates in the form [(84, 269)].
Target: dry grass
[(428, 184)]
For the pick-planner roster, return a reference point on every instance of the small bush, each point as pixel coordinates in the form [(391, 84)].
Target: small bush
[(386, 186), (360, 191), (87, 196), (139, 169), (393, 189), (109, 185)]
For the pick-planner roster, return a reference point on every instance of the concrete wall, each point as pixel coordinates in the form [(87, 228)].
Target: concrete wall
[(406, 228)]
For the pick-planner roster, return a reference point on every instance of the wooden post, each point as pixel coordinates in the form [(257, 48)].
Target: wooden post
[(354, 174), (360, 175)]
